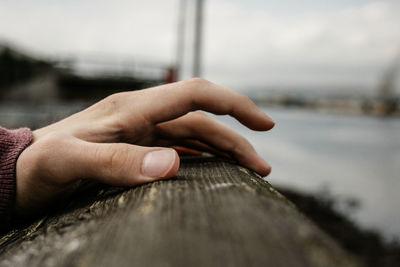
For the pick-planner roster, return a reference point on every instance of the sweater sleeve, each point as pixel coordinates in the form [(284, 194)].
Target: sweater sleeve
[(12, 143)]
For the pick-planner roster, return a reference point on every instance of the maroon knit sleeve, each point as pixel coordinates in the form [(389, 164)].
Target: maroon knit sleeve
[(12, 143)]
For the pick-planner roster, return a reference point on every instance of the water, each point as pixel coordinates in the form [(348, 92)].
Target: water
[(349, 157)]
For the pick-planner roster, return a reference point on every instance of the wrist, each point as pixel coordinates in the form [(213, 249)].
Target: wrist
[(12, 144)]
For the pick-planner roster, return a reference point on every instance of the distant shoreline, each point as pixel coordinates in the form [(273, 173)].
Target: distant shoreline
[(374, 105)]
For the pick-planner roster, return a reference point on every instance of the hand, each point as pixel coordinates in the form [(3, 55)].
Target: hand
[(123, 139)]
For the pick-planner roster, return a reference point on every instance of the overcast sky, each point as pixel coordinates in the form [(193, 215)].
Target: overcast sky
[(248, 44)]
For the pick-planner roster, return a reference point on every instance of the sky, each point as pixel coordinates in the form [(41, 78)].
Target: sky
[(317, 44)]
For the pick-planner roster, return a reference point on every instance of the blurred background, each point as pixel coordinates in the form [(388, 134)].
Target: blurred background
[(328, 72)]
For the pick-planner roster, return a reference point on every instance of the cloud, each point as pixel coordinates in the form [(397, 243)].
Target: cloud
[(138, 28), (246, 44), (347, 47)]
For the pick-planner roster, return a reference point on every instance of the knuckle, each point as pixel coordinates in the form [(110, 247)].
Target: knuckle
[(113, 161), (110, 159), (198, 82), (113, 99), (232, 148), (111, 104), (194, 89), (200, 115), (244, 98)]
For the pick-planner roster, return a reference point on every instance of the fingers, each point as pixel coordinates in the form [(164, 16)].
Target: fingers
[(171, 101), (126, 165), (201, 127)]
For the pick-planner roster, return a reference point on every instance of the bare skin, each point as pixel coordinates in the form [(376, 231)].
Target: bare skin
[(125, 140)]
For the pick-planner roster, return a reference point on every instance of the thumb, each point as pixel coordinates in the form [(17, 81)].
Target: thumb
[(125, 165)]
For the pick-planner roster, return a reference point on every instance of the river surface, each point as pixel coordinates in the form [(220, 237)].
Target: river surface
[(354, 159)]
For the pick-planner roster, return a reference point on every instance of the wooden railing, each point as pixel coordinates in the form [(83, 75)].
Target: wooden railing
[(213, 213)]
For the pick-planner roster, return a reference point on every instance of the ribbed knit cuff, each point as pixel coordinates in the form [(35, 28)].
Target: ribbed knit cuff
[(12, 143)]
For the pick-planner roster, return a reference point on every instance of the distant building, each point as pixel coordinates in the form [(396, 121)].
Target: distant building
[(27, 79)]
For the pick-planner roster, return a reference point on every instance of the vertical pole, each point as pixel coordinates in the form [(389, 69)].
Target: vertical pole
[(386, 87), (180, 42), (198, 38)]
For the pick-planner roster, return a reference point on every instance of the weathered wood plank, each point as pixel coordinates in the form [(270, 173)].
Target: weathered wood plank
[(214, 213)]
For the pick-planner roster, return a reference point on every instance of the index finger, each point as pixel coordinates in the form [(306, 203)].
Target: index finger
[(167, 102)]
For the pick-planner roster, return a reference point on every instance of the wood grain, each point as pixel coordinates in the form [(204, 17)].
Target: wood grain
[(213, 213)]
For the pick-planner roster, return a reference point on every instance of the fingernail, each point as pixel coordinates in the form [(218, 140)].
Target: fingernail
[(157, 163), (266, 168)]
